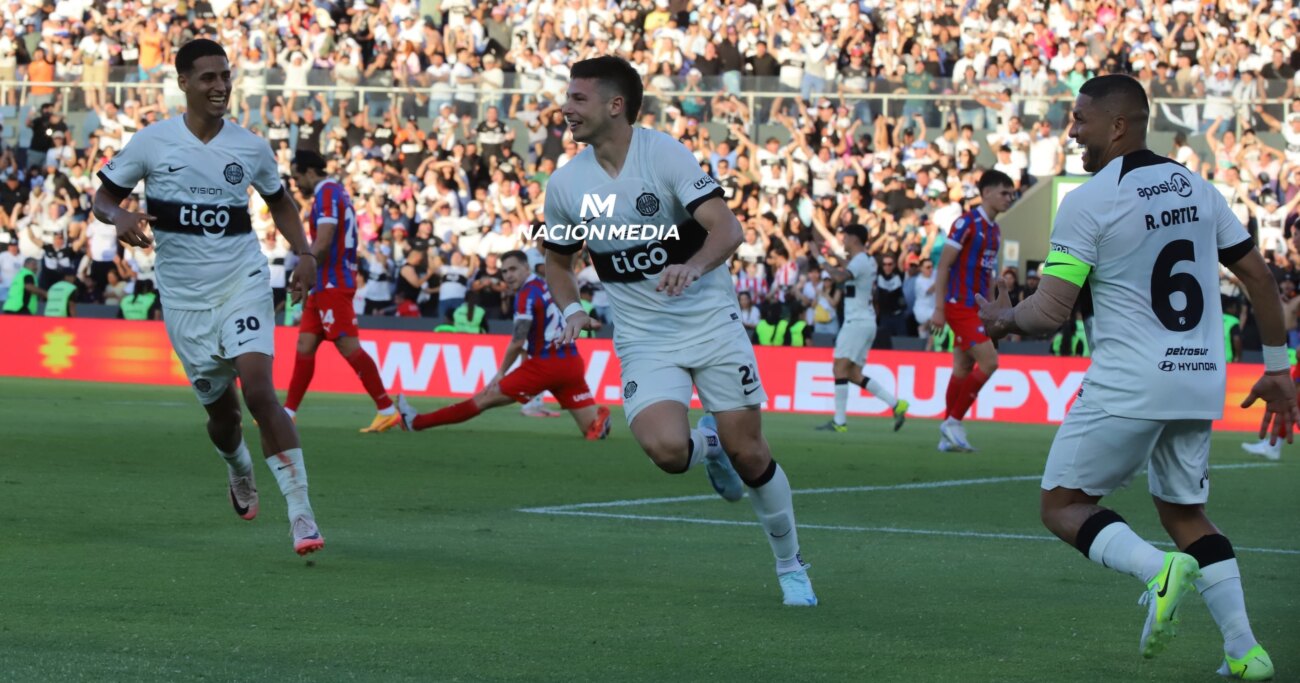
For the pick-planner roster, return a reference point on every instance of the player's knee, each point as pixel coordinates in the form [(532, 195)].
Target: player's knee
[(668, 454), (220, 421), (989, 367), (261, 400)]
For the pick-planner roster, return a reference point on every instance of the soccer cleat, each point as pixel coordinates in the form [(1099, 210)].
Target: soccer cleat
[(599, 427), (306, 537), (953, 431), (1255, 666), (383, 423), (1264, 450), (407, 412), (944, 445), (1165, 591), (833, 426), (243, 494), (900, 413), (536, 407), (796, 588), (722, 474)]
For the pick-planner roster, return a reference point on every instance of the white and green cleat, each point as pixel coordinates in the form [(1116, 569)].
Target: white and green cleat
[(1254, 666), (796, 588), (1164, 593)]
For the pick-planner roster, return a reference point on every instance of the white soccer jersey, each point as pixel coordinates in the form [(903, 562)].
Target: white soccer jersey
[(660, 184), (857, 291), (1154, 234), (199, 194)]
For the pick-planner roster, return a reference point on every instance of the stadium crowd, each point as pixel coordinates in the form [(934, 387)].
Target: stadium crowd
[(880, 113)]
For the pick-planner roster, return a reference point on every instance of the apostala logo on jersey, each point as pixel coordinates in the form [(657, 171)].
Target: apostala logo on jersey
[(234, 173), (1177, 183)]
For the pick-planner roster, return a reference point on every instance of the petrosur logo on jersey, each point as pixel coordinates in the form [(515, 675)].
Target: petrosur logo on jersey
[(596, 206)]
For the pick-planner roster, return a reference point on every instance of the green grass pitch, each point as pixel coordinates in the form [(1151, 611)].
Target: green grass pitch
[(121, 559)]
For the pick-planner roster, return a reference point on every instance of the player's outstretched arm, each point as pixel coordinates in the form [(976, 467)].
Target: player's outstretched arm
[(1275, 387), (1046, 310), (725, 236), (132, 226), (284, 211)]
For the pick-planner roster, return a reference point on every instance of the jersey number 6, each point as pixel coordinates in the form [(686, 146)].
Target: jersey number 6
[(1165, 283)]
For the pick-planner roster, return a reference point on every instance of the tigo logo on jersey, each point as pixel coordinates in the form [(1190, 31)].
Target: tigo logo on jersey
[(215, 217), (1177, 183), (648, 260)]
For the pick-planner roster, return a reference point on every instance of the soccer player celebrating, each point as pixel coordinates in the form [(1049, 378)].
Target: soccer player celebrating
[(329, 314), (214, 281), (968, 266), (676, 322), (557, 368), (859, 330), (1148, 235)]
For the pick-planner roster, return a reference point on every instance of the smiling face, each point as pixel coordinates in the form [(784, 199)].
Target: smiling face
[(587, 112), (1092, 129), (207, 86)]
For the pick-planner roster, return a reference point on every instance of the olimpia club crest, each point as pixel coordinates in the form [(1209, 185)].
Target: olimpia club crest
[(234, 173)]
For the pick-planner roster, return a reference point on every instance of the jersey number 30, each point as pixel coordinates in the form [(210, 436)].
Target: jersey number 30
[(1165, 283)]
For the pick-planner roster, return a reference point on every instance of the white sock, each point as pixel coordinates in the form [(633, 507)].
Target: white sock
[(291, 412), (841, 402), (240, 462), (388, 411), (1220, 585), (704, 442), (1118, 548), (291, 474), (879, 391), (774, 507)]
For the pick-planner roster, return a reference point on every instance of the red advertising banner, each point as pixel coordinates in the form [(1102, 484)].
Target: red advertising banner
[(1027, 389)]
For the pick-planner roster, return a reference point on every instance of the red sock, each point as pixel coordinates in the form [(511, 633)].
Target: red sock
[(955, 385), (364, 366), (303, 369), (969, 390), (447, 416)]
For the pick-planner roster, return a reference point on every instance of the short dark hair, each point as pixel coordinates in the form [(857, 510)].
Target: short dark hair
[(195, 50), (515, 254), (994, 178), (614, 73), (1126, 89), (305, 159), (858, 230)]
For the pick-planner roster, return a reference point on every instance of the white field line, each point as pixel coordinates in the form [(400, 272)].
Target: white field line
[(584, 510)]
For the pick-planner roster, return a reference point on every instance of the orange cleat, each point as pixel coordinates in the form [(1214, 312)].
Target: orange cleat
[(383, 423), (599, 428)]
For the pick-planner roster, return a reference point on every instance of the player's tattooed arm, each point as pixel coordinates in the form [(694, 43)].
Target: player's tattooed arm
[(1046, 310), (515, 347)]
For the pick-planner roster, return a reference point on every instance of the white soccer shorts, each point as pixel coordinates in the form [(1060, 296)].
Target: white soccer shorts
[(1098, 453), (207, 342), (854, 340), (724, 371)]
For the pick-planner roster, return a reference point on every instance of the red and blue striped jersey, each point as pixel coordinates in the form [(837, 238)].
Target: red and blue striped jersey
[(339, 267), (533, 302), (979, 240)]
